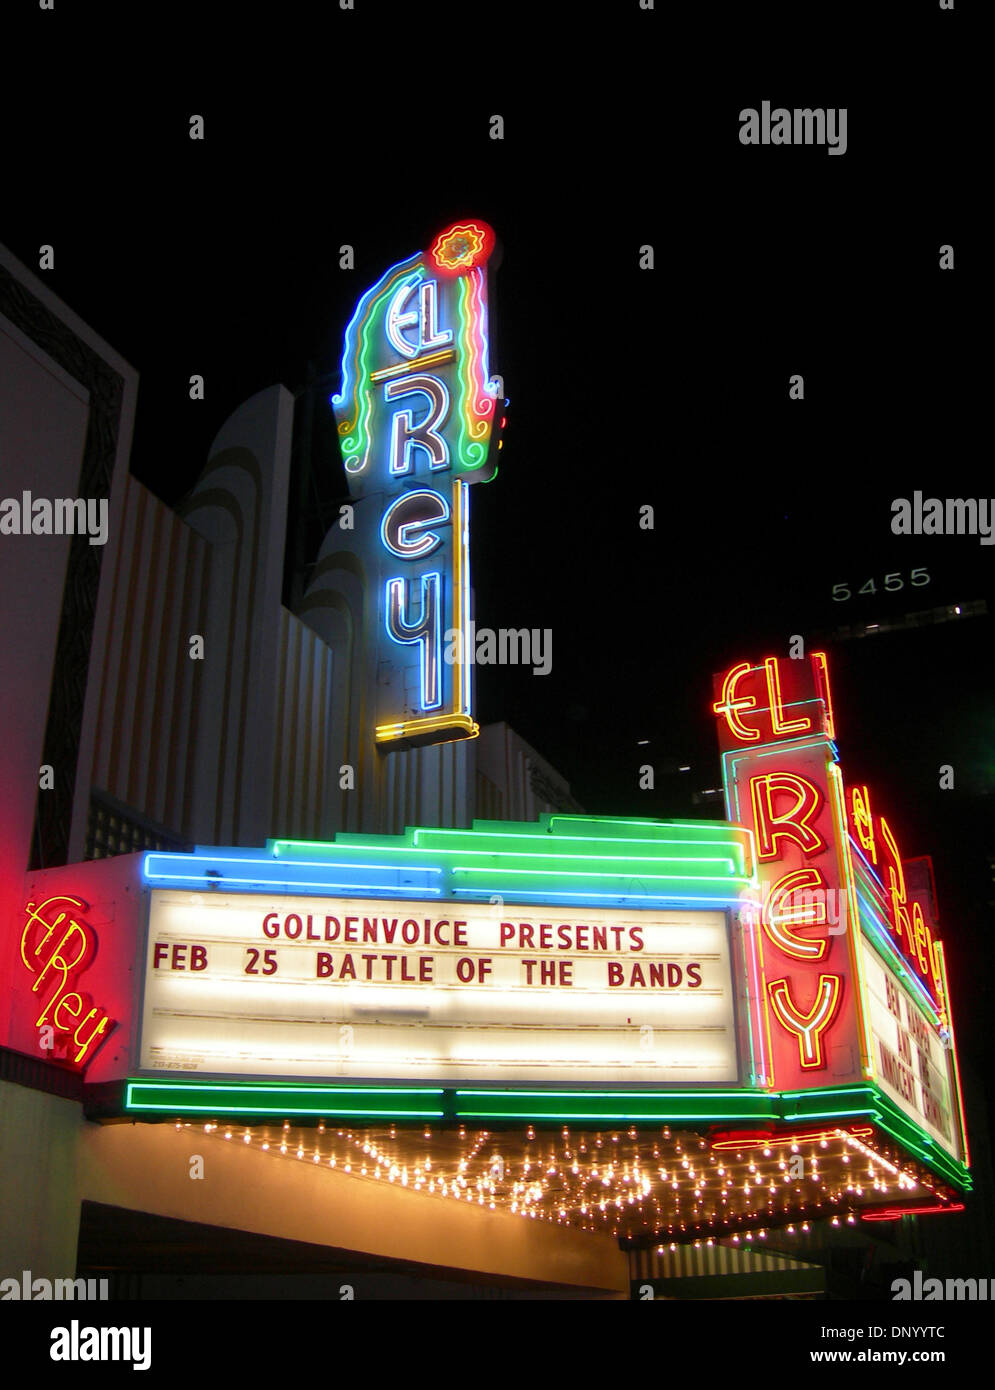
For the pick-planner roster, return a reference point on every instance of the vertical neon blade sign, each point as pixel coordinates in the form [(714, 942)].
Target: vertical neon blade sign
[(415, 413), (776, 732)]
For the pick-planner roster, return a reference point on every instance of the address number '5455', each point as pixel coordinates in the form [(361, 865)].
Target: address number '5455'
[(892, 582)]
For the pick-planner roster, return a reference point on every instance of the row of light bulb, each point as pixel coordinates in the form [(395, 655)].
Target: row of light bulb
[(526, 1195)]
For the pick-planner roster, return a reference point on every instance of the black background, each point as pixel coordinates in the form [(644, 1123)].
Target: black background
[(627, 387)]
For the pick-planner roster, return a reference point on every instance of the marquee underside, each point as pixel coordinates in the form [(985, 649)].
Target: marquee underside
[(641, 1184)]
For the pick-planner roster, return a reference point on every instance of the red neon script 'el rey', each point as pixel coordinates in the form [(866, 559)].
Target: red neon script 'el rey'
[(57, 949)]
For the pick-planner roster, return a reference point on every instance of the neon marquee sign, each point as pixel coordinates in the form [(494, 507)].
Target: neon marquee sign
[(57, 945), (828, 869), (779, 764), (418, 421), (913, 934)]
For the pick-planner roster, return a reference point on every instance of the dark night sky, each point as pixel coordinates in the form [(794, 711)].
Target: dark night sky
[(627, 387)]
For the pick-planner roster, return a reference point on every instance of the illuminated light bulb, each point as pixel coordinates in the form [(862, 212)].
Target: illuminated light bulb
[(265, 1146)]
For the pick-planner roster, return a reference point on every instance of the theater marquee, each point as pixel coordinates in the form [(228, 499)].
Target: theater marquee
[(741, 986), (261, 986)]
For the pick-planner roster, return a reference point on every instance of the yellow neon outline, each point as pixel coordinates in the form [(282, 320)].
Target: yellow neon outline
[(770, 821), (406, 728), (845, 870), (34, 910), (776, 925), (430, 359), (728, 705), (779, 726), (820, 657), (766, 1013), (953, 1050), (863, 821), (810, 1027)]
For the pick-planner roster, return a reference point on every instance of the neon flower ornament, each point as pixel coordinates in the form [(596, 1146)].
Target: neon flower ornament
[(461, 247)]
